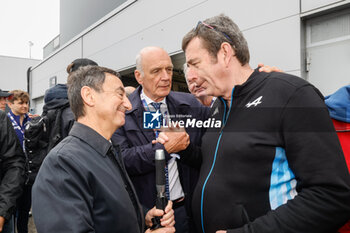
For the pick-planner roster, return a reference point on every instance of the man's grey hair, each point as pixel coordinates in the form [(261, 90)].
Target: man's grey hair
[(90, 76), (140, 55), (185, 69), (139, 63), (216, 30)]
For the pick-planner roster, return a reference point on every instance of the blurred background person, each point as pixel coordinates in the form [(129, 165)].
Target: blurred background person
[(18, 114), (191, 78), (339, 109), (129, 90), (12, 177), (4, 96), (57, 119)]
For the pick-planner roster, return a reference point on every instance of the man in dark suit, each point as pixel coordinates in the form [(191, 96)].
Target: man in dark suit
[(153, 72)]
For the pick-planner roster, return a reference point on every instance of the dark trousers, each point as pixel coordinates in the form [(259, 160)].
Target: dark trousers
[(181, 220), (8, 226), (23, 207)]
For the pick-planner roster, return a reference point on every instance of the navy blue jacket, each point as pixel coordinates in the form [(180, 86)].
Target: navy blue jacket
[(138, 150)]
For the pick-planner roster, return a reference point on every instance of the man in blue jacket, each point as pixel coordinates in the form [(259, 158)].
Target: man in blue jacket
[(153, 72)]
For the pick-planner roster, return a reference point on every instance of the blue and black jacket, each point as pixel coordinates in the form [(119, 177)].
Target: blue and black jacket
[(276, 165)]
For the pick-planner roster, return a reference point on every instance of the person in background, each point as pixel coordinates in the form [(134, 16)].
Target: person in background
[(57, 97), (82, 185), (4, 96), (338, 105), (153, 72), (12, 163), (80, 62), (57, 119), (191, 78), (129, 90), (191, 75), (18, 114), (276, 165)]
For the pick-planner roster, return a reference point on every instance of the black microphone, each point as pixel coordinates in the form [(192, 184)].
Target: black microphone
[(162, 200)]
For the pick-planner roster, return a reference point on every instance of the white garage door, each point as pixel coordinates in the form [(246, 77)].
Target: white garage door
[(328, 51)]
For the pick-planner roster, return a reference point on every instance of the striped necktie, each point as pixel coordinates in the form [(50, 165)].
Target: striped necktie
[(157, 108)]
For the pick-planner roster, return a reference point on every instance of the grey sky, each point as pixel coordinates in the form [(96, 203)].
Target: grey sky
[(22, 21)]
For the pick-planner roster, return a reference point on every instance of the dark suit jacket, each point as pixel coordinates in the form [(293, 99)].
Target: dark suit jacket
[(138, 151)]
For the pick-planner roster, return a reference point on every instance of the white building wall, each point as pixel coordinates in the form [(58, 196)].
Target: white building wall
[(13, 72), (308, 5), (123, 37), (87, 12), (54, 66), (273, 29)]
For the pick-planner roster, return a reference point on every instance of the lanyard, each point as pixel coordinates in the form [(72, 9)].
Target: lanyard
[(165, 114), (17, 127), (145, 105), (14, 123)]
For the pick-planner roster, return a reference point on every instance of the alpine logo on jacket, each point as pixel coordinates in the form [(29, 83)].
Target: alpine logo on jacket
[(255, 102)]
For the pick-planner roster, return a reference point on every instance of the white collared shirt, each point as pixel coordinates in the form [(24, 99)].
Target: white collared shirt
[(175, 188)]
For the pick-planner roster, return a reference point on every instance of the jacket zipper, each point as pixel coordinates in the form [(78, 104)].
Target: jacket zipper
[(216, 150)]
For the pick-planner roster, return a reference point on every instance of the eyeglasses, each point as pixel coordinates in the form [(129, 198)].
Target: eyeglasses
[(211, 27)]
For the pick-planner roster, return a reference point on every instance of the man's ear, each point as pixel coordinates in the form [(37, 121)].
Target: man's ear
[(138, 76), (88, 96), (9, 104), (226, 53)]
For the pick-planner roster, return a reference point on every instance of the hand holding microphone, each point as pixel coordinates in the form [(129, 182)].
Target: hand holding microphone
[(161, 218), (162, 200), (167, 217)]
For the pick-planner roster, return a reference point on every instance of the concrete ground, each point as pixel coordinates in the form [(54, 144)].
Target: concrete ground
[(31, 226)]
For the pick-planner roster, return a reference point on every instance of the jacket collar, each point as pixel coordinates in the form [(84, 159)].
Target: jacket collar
[(251, 82), (135, 101), (176, 103), (17, 119), (173, 99), (91, 137)]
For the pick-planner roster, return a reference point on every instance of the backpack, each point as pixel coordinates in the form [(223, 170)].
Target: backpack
[(41, 134)]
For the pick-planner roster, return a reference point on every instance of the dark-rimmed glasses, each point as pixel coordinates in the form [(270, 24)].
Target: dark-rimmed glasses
[(211, 27)]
